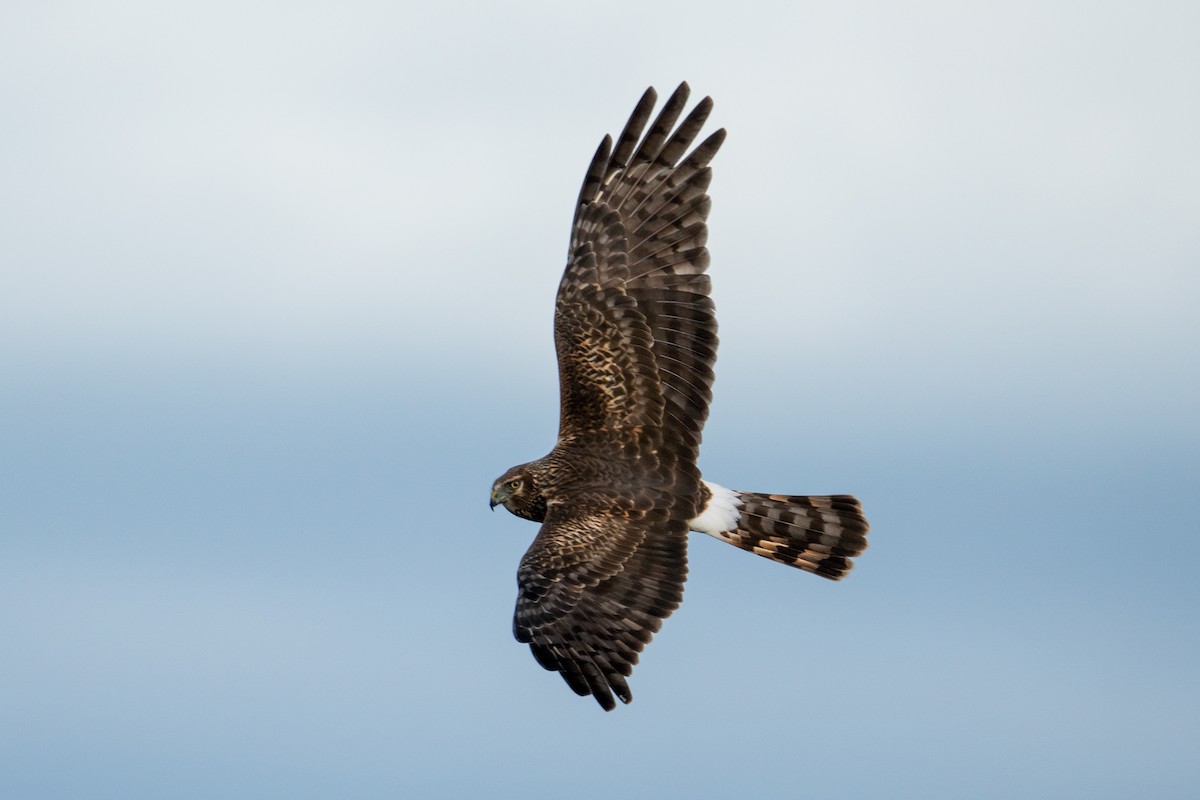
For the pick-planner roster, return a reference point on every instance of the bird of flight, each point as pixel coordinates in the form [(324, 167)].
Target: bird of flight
[(636, 337)]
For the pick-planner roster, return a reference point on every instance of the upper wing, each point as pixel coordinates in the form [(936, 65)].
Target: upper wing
[(593, 590), (635, 329)]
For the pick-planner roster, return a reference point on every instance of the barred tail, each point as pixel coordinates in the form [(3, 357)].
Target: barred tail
[(816, 534)]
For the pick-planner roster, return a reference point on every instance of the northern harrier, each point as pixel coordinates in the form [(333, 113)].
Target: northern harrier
[(636, 337)]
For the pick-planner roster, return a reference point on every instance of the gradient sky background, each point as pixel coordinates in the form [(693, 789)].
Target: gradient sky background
[(275, 295)]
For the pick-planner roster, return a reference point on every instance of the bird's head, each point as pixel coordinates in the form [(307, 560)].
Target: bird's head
[(517, 491)]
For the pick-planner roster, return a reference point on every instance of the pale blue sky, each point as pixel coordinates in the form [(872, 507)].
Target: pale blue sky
[(275, 292)]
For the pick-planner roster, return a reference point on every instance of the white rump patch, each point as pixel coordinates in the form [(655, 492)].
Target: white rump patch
[(720, 513)]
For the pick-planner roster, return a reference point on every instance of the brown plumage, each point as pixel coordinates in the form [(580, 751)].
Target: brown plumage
[(636, 338)]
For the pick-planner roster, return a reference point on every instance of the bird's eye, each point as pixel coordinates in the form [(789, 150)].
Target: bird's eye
[(514, 485)]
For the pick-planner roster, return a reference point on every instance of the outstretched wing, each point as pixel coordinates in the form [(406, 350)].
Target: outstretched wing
[(640, 231), (594, 588), (635, 333)]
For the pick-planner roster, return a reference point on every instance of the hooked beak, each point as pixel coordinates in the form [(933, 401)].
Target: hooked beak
[(500, 495)]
